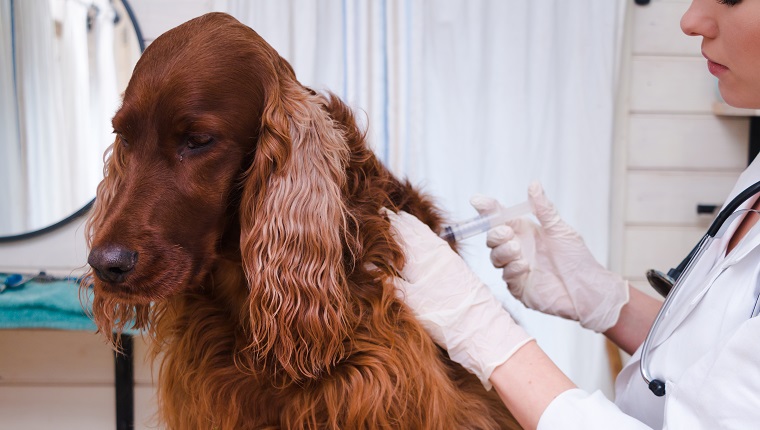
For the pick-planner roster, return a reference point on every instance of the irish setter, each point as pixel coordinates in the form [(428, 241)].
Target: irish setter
[(239, 225)]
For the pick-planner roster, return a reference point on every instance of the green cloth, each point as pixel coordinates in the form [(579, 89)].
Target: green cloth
[(52, 305)]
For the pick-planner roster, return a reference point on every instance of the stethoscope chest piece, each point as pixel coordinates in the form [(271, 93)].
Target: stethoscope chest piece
[(661, 282)]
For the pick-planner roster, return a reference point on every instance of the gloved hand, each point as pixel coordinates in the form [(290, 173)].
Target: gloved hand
[(549, 268), (453, 305)]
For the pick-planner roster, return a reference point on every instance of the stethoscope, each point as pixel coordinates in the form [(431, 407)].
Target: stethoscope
[(670, 285)]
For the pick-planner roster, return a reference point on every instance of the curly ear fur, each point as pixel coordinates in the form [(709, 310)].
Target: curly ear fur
[(292, 220)]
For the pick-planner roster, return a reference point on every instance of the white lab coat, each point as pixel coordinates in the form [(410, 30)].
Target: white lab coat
[(710, 361)]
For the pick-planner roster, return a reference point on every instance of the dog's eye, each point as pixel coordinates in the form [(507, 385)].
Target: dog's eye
[(122, 139), (195, 141)]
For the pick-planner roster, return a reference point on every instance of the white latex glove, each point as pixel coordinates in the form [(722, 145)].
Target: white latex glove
[(458, 311), (549, 268)]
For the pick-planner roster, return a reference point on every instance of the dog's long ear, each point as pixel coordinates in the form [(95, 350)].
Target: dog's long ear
[(292, 221)]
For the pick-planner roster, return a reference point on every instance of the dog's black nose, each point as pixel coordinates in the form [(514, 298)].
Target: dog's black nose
[(111, 262)]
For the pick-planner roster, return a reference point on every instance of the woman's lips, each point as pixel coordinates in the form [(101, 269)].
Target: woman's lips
[(715, 68)]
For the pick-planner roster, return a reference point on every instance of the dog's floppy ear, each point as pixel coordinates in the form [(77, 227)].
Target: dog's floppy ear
[(292, 221)]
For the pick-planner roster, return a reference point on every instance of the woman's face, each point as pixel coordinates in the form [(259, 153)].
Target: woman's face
[(730, 31)]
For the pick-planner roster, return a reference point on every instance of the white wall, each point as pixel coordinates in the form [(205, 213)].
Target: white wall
[(64, 380)]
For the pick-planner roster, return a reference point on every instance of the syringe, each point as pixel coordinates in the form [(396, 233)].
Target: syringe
[(482, 223)]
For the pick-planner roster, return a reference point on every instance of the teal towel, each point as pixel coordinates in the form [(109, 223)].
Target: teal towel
[(53, 305)]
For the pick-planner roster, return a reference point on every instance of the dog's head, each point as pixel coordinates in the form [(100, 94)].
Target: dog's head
[(189, 122), (221, 153)]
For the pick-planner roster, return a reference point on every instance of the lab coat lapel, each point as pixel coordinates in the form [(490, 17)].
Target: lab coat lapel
[(676, 317), (750, 241), (689, 295), (689, 301)]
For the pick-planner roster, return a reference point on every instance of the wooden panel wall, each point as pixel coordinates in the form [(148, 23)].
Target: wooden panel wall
[(64, 380), (674, 152)]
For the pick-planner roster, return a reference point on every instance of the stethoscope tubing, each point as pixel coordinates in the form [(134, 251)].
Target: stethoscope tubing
[(655, 385), (731, 207)]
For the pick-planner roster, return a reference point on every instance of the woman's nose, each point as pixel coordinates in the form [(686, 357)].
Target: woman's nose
[(698, 20)]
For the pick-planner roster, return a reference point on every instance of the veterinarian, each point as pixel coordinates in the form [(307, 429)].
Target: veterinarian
[(707, 353)]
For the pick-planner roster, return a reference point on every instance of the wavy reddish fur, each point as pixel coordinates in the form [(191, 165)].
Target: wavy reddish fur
[(265, 266)]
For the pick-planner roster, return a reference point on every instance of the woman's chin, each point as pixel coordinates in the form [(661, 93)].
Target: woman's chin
[(739, 99)]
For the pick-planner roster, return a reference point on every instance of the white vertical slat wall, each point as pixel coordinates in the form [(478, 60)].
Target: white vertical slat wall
[(672, 151)]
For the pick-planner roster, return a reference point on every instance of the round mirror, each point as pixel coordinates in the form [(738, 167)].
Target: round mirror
[(63, 68)]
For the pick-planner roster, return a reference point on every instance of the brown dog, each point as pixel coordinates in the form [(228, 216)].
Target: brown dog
[(239, 224)]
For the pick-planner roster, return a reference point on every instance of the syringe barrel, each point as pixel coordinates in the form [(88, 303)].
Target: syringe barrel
[(483, 223), (480, 224)]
